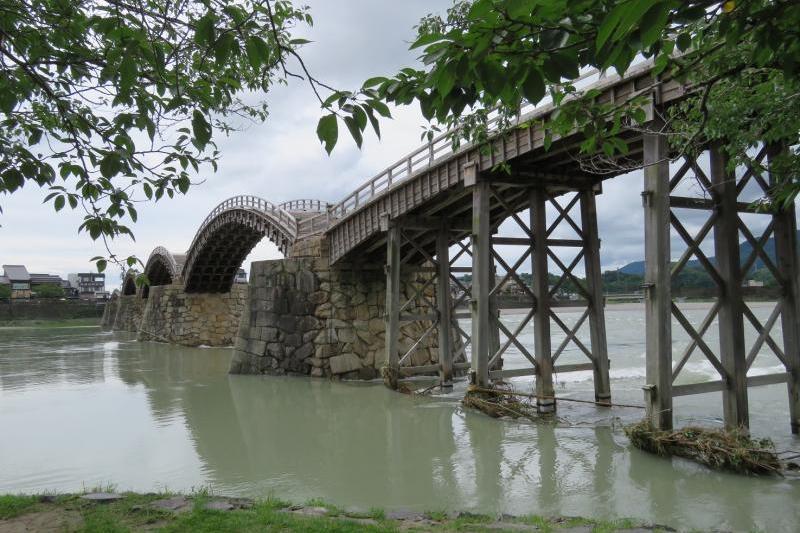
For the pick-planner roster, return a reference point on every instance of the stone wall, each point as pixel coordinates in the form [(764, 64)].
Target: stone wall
[(306, 317), (171, 315), (129, 313), (110, 312)]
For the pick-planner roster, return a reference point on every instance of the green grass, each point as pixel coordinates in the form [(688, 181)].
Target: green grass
[(13, 505), (133, 513)]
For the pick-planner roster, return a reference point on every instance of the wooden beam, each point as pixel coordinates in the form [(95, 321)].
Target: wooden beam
[(541, 290), (435, 223), (682, 202), (594, 280), (481, 269), (731, 322), (392, 316), (444, 308), (719, 385), (788, 262), (658, 300)]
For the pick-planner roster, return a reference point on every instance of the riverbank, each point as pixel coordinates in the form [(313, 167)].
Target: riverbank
[(110, 512), (50, 324), (49, 309)]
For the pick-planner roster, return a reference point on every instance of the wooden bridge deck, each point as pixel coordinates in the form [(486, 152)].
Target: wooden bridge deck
[(437, 189)]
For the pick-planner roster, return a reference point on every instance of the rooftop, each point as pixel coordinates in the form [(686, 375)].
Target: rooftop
[(16, 272)]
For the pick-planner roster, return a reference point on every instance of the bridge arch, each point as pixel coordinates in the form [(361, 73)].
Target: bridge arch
[(227, 236), (129, 283), (162, 268)]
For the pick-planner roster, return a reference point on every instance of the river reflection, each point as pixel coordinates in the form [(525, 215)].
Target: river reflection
[(79, 407)]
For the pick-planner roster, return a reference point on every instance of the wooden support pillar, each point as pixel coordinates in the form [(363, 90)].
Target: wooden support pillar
[(443, 302), (392, 314), (594, 279), (494, 313), (481, 270), (545, 393), (731, 323), (788, 263), (658, 298)]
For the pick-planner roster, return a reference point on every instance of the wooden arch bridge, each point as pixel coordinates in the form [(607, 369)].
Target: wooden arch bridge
[(437, 208)]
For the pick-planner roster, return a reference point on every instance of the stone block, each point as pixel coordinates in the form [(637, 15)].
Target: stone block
[(306, 350), (287, 323), (306, 281), (346, 335), (318, 297), (324, 351), (269, 334), (377, 325), (293, 340), (341, 364), (257, 347), (308, 323)]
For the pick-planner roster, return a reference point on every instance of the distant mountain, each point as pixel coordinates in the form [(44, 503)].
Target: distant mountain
[(637, 267)]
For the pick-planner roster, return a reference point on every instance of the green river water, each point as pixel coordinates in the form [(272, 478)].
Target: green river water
[(80, 407)]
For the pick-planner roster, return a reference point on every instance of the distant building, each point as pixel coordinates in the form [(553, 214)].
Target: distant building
[(45, 279), (17, 276), (241, 276), (753, 283), (90, 285)]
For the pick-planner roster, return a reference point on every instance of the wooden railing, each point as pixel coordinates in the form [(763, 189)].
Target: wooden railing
[(425, 156), (305, 205), (282, 217)]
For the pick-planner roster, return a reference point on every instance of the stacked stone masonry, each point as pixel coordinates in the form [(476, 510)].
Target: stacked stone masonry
[(172, 315), (305, 317), (129, 311)]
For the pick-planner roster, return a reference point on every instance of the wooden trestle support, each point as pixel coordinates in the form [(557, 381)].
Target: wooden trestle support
[(540, 248), (489, 338), (721, 198)]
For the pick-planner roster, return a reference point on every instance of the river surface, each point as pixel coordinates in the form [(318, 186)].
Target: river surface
[(81, 408)]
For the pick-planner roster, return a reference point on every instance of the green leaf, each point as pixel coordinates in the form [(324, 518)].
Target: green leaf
[(561, 65), (653, 23), (355, 132), (425, 39), (328, 131), (59, 203), (253, 56), (533, 88), (224, 47), (110, 165), (127, 73), (201, 129), (101, 265), (35, 136), (204, 30), (684, 41), (609, 24), (372, 82)]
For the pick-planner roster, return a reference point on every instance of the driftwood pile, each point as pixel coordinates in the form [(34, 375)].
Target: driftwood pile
[(719, 449), (500, 402)]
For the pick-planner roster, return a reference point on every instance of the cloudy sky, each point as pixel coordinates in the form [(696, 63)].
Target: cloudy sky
[(282, 159)]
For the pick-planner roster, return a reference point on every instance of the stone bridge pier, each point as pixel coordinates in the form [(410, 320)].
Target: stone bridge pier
[(304, 316), (175, 316)]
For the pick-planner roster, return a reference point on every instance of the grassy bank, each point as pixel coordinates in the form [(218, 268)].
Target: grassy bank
[(205, 513), (43, 323)]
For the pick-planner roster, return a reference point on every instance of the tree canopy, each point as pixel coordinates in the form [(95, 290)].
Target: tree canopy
[(739, 58), (106, 103)]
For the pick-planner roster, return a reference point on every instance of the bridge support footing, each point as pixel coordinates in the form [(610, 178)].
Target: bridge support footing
[(305, 317), (172, 315)]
